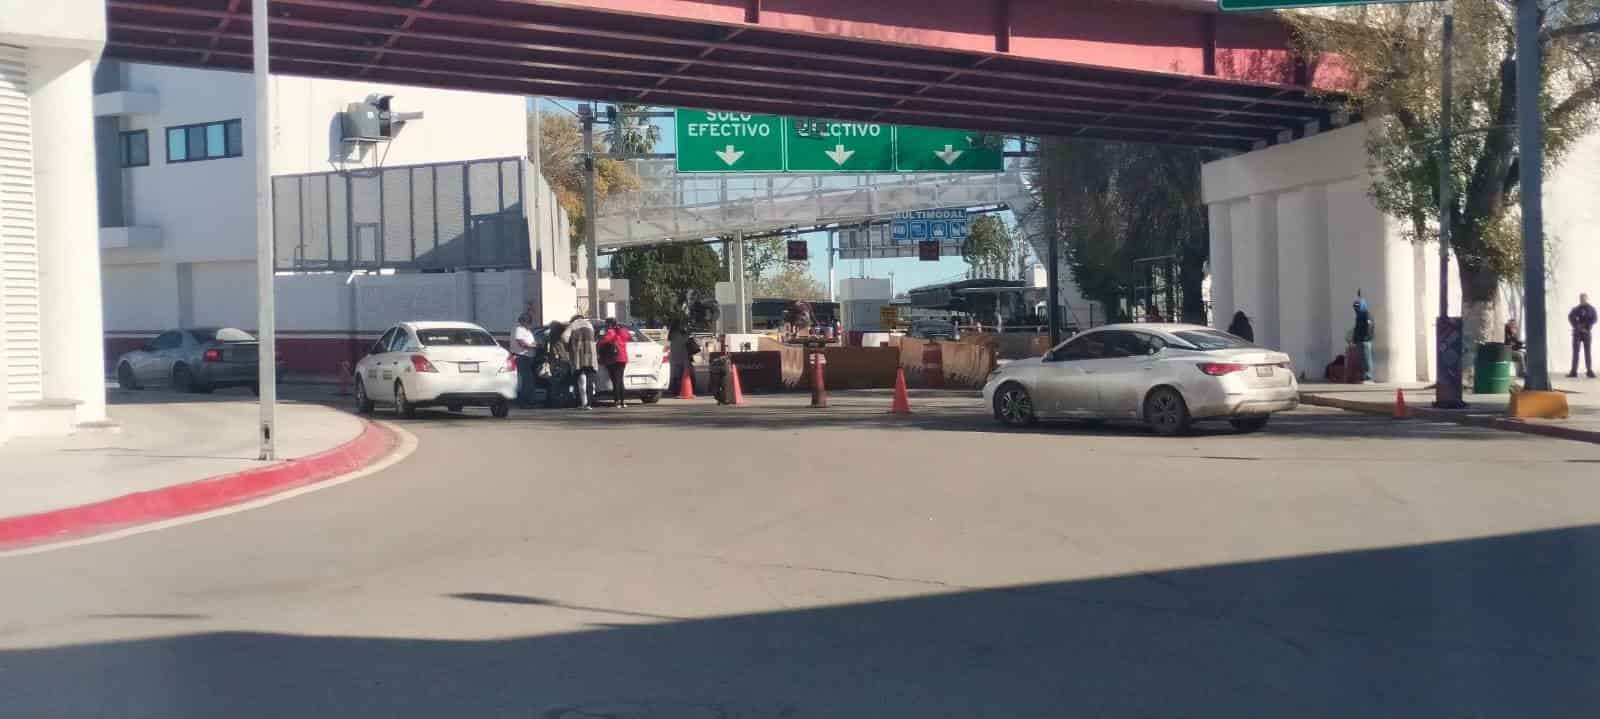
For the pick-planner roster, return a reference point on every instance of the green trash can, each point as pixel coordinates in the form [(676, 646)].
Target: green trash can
[(1492, 369)]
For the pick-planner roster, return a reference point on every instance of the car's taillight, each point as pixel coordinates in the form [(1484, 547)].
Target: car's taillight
[(421, 364), (1217, 369), (666, 352), (510, 365), (213, 355)]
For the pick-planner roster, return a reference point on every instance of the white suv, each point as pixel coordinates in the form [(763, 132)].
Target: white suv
[(436, 364)]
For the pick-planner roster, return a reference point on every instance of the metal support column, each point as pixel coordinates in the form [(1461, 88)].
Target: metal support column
[(586, 113), (1447, 353), (266, 312), (1530, 141), (833, 253), (1052, 266), (741, 292)]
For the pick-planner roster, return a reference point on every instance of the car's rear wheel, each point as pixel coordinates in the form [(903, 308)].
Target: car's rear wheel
[(500, 410), (1166, 412), (650, 397), (363, 402), (402, 404), (1250, 424), (183, 380), (1013, 406), (125, 378)]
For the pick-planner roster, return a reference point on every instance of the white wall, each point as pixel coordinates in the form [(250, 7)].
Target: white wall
[(1294, 235), (75, 24), (129, 301), (1572, 220)]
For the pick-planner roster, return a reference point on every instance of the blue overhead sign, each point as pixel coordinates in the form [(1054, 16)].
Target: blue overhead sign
[(949, 225)]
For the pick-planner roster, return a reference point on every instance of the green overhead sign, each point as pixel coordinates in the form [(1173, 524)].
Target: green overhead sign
[(729, 142), (742, 142), (928, 149), (839, 146)]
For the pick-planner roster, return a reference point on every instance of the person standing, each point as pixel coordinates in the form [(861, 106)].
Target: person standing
[(1582, 319), (560, 362), (1240, 327), (523, 348), (1362, 335), (580, 341), (613, 347)]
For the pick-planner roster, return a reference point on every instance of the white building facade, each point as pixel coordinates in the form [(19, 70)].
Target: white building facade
[(51, 376), (1295, 235), (177, 242)]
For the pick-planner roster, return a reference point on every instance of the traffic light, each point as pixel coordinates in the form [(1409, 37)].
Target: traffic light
[(928, 250), (797, 251)]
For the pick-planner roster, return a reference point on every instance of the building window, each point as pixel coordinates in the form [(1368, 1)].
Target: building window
[(205, 141), (136, 148)]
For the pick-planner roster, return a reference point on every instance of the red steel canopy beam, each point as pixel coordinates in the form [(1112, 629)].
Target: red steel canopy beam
[(1024, 66)]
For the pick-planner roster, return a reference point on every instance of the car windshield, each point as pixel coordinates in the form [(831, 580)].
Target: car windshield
[(226, 334), (455, 337), (1211, 340)]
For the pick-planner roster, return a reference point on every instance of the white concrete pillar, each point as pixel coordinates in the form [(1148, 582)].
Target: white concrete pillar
[(1221, 261), (72, 339), (1254, 225), (1396, 348), (1303, 277)]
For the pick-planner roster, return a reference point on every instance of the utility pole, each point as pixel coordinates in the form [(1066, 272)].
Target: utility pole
[(1530, 141), (1447, 333), (266, 310), (833, 251), (590, 214)]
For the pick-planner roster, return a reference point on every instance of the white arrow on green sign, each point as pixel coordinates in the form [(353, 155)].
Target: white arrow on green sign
[(729, 142)]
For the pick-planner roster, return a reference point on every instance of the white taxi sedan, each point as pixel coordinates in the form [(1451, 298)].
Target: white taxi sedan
[(436, 364)]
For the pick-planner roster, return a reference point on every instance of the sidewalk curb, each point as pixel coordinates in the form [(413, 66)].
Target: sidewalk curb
[(203, 495), (1473, 420)]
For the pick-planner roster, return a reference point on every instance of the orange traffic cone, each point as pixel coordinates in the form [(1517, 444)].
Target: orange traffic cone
[(686, 385), (734, 387), (902, 402), (1400, 409)]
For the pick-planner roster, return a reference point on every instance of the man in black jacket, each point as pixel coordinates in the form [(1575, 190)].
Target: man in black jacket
[(1582, 319)]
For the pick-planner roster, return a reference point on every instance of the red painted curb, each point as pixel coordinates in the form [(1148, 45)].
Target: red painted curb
[(198, 496), (1443, 415)]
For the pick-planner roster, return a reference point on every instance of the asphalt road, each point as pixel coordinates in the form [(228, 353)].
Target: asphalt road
[(689, 561)]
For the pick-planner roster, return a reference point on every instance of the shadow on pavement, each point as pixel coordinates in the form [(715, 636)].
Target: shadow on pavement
[(1495, 627)]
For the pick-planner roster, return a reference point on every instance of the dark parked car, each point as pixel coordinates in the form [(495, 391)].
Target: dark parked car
[(193, 360)]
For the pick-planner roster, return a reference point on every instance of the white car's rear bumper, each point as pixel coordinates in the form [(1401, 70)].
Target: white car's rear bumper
[(1233, 396), (431, 387)]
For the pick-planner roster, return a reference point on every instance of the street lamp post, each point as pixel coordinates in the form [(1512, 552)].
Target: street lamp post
[(1447, 354), (266, 315), (1530, 142)]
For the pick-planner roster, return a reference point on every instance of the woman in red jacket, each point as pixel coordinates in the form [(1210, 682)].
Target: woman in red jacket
[(613, 346)]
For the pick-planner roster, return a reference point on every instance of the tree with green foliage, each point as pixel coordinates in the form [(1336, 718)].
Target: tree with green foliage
[(762, 254), (792, 281), (632, 134), (989, 247), (1394, 52), (662, 280), (560, 148), (1116, 203)]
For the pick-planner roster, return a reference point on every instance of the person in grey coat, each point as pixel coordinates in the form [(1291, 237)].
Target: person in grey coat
[(579, 338)]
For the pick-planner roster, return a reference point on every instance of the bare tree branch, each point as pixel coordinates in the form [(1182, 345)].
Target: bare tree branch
[(1574, 104), (1569, 31)]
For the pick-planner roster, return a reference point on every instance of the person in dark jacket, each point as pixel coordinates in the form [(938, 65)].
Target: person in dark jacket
[(1240, 327), (1362, 335), (1582, 319), (613, 347)]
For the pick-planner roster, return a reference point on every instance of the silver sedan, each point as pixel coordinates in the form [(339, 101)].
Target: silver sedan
[(1166, 375), (192, 360)]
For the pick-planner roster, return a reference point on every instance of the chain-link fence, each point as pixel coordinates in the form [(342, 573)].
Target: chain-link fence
[(444, 216)]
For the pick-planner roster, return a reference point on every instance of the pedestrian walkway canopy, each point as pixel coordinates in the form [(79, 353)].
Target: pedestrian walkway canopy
[(1168, 71), (669, 206)]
